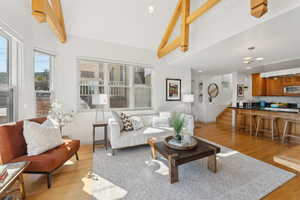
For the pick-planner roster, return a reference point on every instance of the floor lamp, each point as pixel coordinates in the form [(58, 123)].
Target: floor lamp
[(188, 98), (99, 100)]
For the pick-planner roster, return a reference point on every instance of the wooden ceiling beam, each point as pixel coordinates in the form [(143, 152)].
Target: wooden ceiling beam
[(202, 10), (169, 47), (183, 10), (43, 11), (171, 25), (259, 8), (185, 27)]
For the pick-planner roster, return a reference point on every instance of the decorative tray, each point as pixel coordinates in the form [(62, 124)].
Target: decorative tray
[(183, 145)]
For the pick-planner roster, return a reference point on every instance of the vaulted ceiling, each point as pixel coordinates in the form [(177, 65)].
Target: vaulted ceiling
[(129, 23)]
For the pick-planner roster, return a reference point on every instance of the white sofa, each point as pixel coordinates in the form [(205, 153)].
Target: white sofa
[(122, 139)]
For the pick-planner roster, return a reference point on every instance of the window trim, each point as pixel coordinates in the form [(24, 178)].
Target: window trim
[(12, 113), (107, 87), (51, 73)]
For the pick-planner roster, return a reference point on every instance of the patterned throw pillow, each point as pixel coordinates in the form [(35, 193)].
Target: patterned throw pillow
[(128, 126)]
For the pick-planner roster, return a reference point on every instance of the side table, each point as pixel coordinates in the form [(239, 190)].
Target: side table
[(15, 174), (100, 124)]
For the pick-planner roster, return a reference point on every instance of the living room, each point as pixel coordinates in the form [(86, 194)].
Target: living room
[(97, 98)]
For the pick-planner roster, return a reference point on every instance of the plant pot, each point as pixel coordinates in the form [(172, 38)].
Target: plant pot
[(178, 137)]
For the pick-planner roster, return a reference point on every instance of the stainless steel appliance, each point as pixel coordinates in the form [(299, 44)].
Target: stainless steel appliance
[(291, 90)]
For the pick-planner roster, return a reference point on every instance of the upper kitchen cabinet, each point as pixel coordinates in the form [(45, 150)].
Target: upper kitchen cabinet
[(291, 80), (258, 85), (274, 86)]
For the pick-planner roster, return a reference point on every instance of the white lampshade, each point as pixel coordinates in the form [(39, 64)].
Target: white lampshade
[(99, 99), (188, 98)]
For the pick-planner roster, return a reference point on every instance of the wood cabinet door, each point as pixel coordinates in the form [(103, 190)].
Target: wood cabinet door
[(291, 80), (274, 86), (258, 85)]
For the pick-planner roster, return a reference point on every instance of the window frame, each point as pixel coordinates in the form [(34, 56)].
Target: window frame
[(12, 113), (131, 86), (51, 73)]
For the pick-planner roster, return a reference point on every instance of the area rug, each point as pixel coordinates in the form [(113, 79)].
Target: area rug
[(132, 175)]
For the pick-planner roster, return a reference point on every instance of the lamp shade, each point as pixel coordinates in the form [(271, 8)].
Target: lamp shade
[(99, 99), (188, 98)]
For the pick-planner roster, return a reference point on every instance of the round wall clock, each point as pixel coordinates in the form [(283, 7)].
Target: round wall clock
[(213, 91)]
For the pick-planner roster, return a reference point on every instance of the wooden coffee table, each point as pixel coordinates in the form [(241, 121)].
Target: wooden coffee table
[(177, 157)]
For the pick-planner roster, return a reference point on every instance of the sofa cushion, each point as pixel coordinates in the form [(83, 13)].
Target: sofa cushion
[(137, 122), (159, 122), (165, 114), (52, 159), (40, 138)]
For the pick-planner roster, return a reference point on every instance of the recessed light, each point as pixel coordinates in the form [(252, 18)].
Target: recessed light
[(259, 58), (251, 48), (151, 9), (248, 58), (248, 68), (200, 71), (246, 62)]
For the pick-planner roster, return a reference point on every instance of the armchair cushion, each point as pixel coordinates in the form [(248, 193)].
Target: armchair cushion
[(52, 159), (12, 142)]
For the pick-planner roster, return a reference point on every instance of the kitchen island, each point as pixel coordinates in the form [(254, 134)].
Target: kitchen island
[(243, 117)]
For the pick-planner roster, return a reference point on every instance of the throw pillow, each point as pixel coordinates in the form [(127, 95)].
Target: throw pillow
[(126, 122), (137, 122), (165, 114), (40, 138), (160, 122), (116, 116)]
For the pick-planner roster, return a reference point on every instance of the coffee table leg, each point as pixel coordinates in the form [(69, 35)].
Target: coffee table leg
[(212, 163), (173, 170), (151, 142)]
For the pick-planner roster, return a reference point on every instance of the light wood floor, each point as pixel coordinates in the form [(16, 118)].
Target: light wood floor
[(69, 184)]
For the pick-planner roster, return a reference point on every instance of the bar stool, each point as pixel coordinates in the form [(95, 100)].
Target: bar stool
[(287, 135), (243, 122), (260, 119)]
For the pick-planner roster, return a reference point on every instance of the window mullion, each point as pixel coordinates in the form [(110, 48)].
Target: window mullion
[(106, 85), (131, 87)]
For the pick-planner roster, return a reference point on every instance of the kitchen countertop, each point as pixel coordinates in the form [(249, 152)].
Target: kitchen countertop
[(264, 109)]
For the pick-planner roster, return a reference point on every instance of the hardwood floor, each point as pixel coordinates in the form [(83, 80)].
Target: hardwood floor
[(69, 182)]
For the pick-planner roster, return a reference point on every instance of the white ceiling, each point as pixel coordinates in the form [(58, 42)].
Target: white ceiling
[(125, 22), (218, 41), (277, 40)]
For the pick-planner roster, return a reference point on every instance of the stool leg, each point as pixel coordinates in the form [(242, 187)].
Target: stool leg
[(272, 127), (257, 126), (284, 132)]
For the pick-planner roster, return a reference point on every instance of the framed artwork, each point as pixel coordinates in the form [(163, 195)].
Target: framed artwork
[(173, 90), (240, 90)]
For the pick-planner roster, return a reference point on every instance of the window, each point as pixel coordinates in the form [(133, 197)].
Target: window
[(119, 85), (6, 89), (43, 64), (127, 86), (142, 87), (91, 82)]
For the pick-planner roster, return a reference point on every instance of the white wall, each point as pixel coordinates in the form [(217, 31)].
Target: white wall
[(208, 111), (243, 79), (66, 78), (17, 15)]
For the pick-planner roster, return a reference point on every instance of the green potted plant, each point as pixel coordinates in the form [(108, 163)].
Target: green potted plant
[(177, 122)]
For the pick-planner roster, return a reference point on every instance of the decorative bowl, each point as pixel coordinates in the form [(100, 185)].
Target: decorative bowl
[(182, 145)]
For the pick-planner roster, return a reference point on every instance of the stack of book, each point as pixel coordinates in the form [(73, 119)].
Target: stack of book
[(3, 173)]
